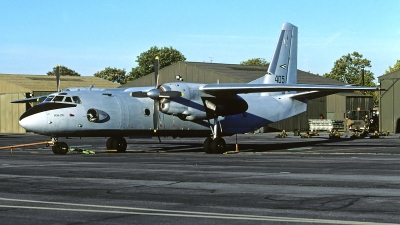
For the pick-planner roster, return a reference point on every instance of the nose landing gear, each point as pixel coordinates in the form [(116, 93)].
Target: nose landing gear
[(59, 148)]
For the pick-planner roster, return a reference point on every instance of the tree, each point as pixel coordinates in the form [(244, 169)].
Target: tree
[(394, 68), (64, 71), (255, 62), (145, 60), (112, 74), (348, 69)]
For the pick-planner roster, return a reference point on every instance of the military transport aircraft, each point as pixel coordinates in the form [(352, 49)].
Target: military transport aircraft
[(179, 109)]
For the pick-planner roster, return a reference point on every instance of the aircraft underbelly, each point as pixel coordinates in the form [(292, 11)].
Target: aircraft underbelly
[(262, 110)]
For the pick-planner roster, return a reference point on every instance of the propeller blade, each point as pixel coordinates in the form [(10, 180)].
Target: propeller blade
[(58, 77), (156, 67), (170, 94), (155, 114), (139, 94)]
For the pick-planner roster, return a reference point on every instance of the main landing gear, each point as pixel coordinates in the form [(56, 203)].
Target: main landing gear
[(214, 144), (118, 143)]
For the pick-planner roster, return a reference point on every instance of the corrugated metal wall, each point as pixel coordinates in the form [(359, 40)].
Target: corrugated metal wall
[(389, 110), (364, 103), (10, 113), (189, 73), (336, 109)]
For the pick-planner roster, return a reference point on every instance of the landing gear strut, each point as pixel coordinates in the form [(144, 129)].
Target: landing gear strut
[(118, 143), (214, 144)]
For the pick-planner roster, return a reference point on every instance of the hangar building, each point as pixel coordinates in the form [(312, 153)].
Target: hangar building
[(14, 87), (330, 107), (389, 105)]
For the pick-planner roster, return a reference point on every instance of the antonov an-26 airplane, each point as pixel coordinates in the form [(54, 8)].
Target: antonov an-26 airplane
[(180, 109)]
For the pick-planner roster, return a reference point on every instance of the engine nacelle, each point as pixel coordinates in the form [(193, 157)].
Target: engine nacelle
[(194, 105), (187, 107)]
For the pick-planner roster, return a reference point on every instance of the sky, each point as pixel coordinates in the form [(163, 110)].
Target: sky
[(88, 36)]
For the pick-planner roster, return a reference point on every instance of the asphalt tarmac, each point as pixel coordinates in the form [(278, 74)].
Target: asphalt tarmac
[(291, 180)]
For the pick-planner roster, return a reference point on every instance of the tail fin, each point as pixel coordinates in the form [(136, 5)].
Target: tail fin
[(283, 66)]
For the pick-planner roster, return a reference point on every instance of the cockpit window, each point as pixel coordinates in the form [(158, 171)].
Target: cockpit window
[(58, 98), (68, 99), (49, 98), (76, 100)]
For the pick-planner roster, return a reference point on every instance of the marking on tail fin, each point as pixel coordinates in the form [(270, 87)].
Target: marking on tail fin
[(283, 66)]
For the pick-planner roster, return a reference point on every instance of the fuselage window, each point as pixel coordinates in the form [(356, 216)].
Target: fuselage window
[(58, 98), (76, 100), (67, 99)]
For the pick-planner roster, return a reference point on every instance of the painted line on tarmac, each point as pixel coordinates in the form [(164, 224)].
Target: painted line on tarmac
[(299, 149), (8, 165), (170, 213)]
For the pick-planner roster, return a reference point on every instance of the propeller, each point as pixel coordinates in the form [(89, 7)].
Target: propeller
[(153, 93), (156, 94), (58, 77)]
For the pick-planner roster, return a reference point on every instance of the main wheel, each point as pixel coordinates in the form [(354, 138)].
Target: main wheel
[(109, 144), (207, 145), (218, 145), (119, 144)]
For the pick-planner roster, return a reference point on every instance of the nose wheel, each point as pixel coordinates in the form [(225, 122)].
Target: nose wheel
[(60, 148)]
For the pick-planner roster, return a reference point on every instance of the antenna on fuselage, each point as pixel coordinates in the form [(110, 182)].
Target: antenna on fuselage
[(58, 77)]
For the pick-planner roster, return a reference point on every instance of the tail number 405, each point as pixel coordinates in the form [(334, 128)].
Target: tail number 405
[(280, 79)]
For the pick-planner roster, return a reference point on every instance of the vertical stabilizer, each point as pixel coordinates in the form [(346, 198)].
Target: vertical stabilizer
[(283, 65)]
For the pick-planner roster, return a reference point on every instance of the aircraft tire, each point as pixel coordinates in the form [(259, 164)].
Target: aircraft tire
[(109, 143), (54, 148), (120, 144), (60, 148), (207, 145), (218, 145), (63, 148)]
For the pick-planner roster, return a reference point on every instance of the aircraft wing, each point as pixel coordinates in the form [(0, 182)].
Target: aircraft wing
[(218, 89)]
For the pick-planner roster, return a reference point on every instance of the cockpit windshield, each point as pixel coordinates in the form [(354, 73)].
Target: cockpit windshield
[(63, 98), (48, 99)]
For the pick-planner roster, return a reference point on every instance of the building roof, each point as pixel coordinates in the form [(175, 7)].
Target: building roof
[(27, 83), (395, 75), (248, 73)]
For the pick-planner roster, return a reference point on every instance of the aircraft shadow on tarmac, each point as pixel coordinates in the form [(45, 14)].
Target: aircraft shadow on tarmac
[(247, 147)]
